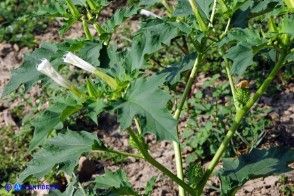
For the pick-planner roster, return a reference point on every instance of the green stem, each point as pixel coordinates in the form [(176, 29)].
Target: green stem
[(120, 153), (80, 185), (238, 117), (106, 78), (86, 29), (201, 23), (73, 10), (212, 13), (195, 43), (156, 164), (226, 29), (138, 125), (79, 94), (167, 7), (91, 5), (188, 86), (177, 147), (233, 90)]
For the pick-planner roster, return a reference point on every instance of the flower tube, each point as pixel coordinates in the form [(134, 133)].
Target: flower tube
[(148, 13), (78, 62), (46, 68)]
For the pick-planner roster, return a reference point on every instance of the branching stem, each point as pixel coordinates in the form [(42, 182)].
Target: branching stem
[(238, 118), (156, 164), (177, 148)]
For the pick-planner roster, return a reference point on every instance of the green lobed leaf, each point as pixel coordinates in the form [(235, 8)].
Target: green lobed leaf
[(287, 25), (172, 74), (79, 2), (150, 38), (116, 181), (249, 37), (66, 26), (204, 7), (148, 3), (90, 52), (242, 11), (63, 150), (149, 186), (265, 6), (118, 18), (52, 119), (256, 164), (94, 108), (27, 73), (242, 54), (145, 99), (183, 9), (242, 57), (52, 8), (241, 17)]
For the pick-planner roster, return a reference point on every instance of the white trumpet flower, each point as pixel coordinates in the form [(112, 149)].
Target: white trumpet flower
[(46, 68), (77, 61), (148, 13)]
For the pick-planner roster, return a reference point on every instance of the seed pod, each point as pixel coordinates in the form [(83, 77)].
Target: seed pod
[(242, 92)]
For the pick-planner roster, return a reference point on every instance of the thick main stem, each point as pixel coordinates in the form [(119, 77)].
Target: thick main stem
[(238, 117), (156, 164), (177, 147)]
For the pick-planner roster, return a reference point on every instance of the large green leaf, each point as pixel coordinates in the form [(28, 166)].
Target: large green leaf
[(27, 74), (172, 74), (115, 183), (242, 57), (53, 8), (256, 164), (118, 18), (149, 186), (112, 180), (242, 54), (52, 119), (242, 11), (64, 151), (90, 52), (146, 100), (287, 25), (249, 37), (183, 8), (204, 7), (150, 38), (148, 3)]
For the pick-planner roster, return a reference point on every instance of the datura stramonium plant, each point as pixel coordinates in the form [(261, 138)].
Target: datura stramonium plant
[(46, 68)]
